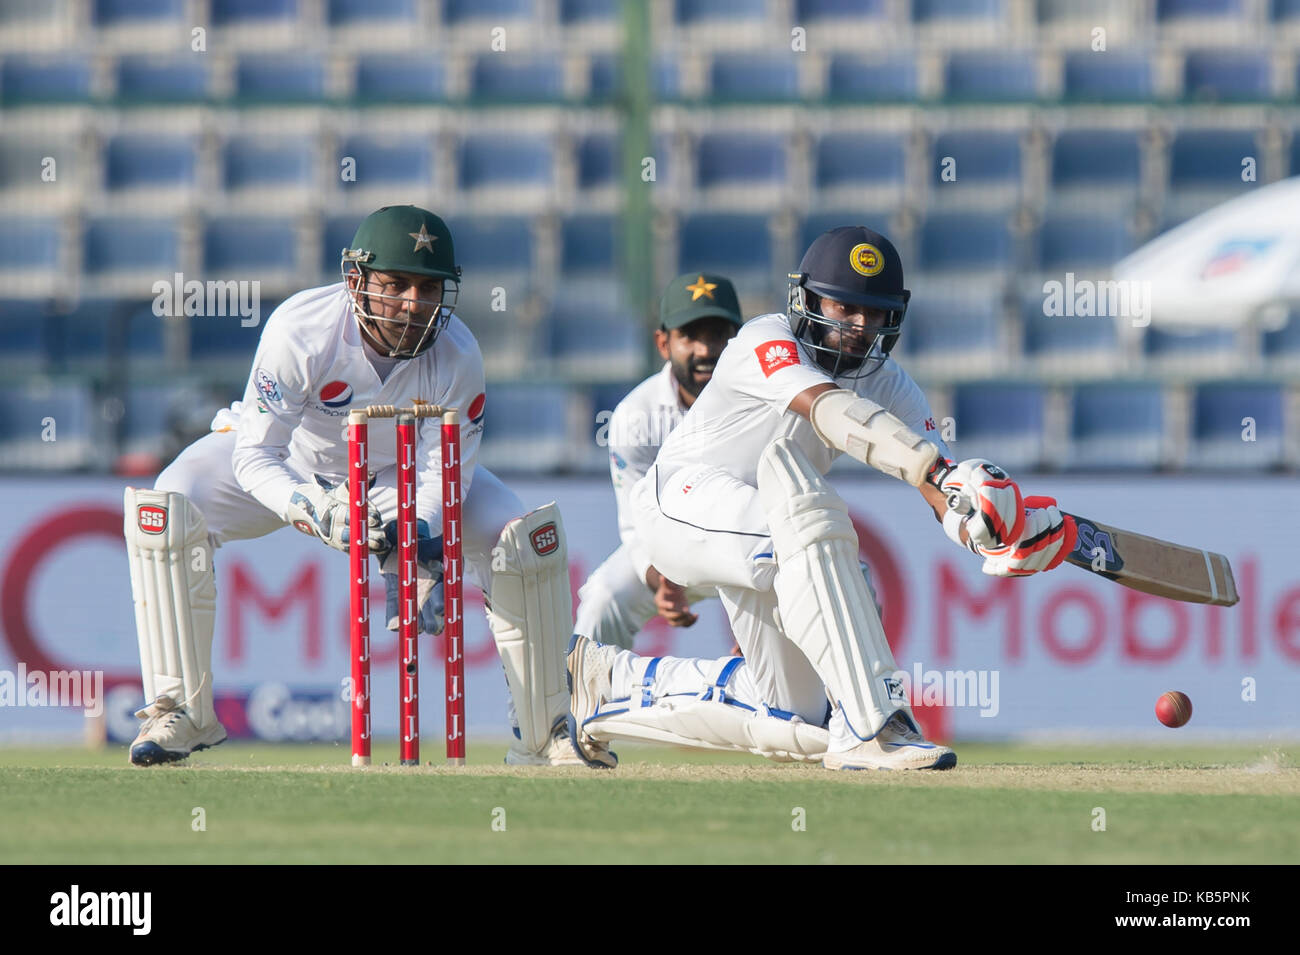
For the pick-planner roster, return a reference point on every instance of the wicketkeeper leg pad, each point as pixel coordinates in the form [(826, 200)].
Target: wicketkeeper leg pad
[(531, 614), (826, 607), (175, 593)]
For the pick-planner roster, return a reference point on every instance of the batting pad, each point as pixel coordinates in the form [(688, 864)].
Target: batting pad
[(531, 613), (826, 608), (714, 725), (175, 593)]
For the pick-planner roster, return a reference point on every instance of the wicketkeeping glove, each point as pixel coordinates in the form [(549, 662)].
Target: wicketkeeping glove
[(985, 501), (428, 577), (1048, 537), (321, 509)]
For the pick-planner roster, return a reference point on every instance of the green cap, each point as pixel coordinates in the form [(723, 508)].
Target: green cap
[(698, 295), (404, 239)]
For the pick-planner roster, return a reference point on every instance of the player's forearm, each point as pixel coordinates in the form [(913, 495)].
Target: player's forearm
[(262, 474)]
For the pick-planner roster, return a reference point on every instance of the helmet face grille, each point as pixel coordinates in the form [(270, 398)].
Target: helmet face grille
[(810, 327), (363, 305)]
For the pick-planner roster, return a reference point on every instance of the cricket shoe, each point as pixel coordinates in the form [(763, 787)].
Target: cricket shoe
[(168, 734), (589, 666), (558, 751), (898, 745)]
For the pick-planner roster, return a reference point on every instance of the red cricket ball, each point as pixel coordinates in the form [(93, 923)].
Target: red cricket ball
[(1174, 708)]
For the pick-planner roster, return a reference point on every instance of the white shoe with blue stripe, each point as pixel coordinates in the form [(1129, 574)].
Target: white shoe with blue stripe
[(589, 666), (898, 745)]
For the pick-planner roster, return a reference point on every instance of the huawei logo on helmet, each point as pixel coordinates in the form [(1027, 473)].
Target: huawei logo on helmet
[(775, 355)]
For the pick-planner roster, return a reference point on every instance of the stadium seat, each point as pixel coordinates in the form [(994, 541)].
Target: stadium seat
[(1220, 429), (150, 162), (109, 13), (730, 11), (225, 347), (605, 77), (1109, 76), (388, 163), (505, 159), (455, 12), (965, 242), (280, 78), (225, 13), (986, 164), (1228, 75), (526, 428), (1168, 10), (992, 75), (61, 77), (151, 79), (126, 245), (335, 237), (1098, 161), (739, 246), (29, 256), (754, 77), (493, 244), (1116, 425), (747, 160), (68, 406), (1068, 346), (24, 329), (1211, 160), (589, 342), (22, 161), (1003, 422), (812, 11), (589, 244), (952, 337), (400, 78), (580, 12), (891, 78), (1284, 12), (1199, 353), (517, 78), (1081, 242), (863, 162), (1282, 345), (277, 167), (597, 156), (246, 248), (348, 13), (878, 219)]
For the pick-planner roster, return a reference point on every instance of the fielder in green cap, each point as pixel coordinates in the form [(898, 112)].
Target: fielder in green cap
[(698, 314), (384, 335)]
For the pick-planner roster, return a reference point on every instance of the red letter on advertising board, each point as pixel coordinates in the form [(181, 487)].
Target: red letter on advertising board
[(244, 588), (1288, 624), (1134, 648), (1002, 590)]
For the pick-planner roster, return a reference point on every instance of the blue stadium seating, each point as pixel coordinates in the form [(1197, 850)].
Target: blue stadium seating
[(953, 335), (1210, 158), (250, 247), (114, 12), (1108, 76), (810, 11), (281, 162), (1283, 344), (143, 335), (226, 345), (1295, 153), (28, 243), (754, 76), (1097, 159), (23, 331), (892, 77), (597, 156), (140, 161), (878, 219), (1167, 10), (257, 12), (1074, 242), (59, 77), (492, 244), (1068, 345), (606, 76), (994, 75), (865, 160), (929, 11), (173, 79), (1116, 425), (1003, 422), (594, 341), (1284, 11), (745, 159), (526, 428), (389, 161), (348, 12), (730, 244), (121, 244), (695, 11), (1218, 432), (965, 241), (575, 12), (1228, 75), (984, 158), (280, 78), (460, 11), (335, 237), (516, 78), (1193, 352), (400, 78), (589, 244), (86, 335), (501, 159), (27, 409)]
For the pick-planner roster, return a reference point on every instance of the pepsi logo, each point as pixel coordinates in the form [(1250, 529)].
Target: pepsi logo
[(476, 408), (336, 394)]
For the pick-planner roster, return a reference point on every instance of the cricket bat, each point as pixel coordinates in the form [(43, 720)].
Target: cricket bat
[(1153, 566)]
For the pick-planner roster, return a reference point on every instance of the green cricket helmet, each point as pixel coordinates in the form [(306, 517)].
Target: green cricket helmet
[(411, 241)]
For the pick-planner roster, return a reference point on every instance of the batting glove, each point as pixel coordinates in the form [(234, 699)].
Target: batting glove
[(428, 577), (1048, 537), (985, 501)]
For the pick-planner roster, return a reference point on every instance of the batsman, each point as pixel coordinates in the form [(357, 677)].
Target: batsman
[(737, 499), (386, 334)]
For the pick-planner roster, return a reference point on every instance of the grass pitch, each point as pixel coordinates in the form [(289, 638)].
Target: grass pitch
[(258, 803)]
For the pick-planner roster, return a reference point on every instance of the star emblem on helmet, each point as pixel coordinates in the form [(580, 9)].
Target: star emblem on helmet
[(422, 239), (701, 288)]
